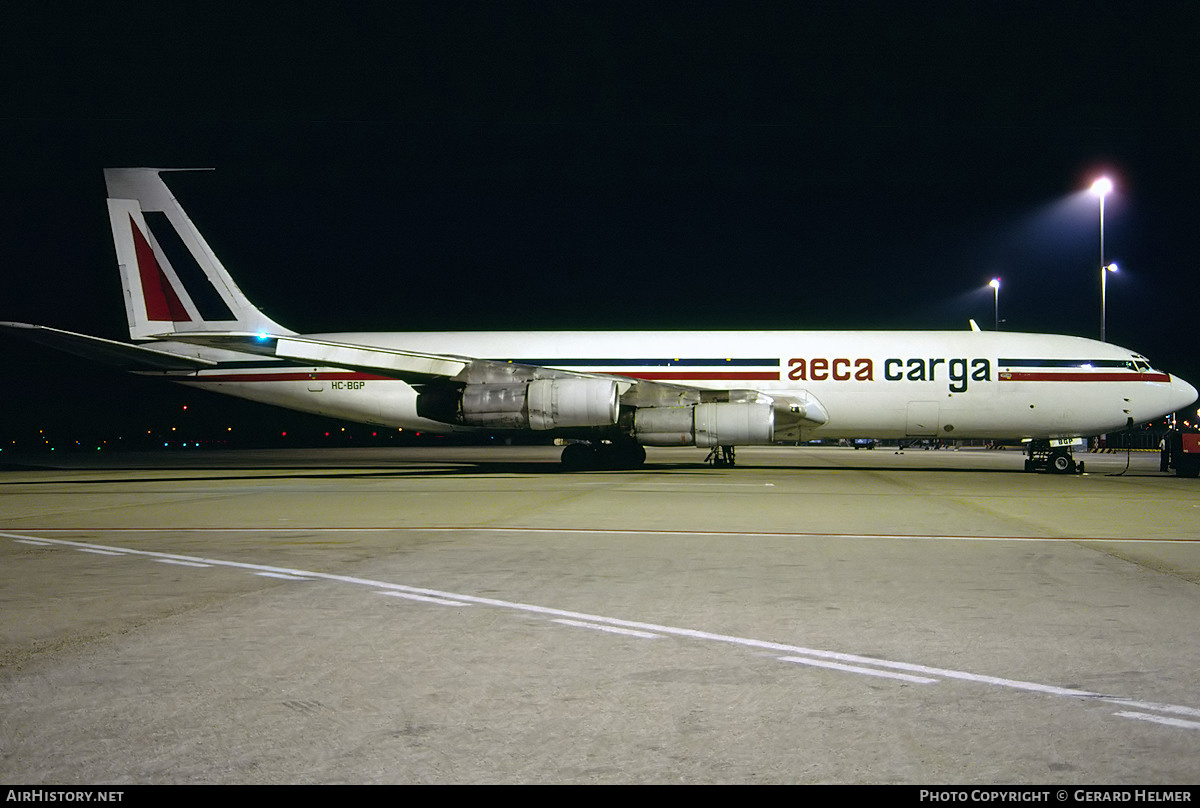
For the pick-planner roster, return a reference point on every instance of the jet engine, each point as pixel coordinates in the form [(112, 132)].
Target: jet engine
[(723, 424), (541, 404)]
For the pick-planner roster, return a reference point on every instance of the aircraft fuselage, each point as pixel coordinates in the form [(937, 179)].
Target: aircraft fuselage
[(882, 384)]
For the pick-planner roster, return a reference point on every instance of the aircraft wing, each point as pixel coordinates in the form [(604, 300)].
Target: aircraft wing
[(119, 354), (414, 367), (425, 369)]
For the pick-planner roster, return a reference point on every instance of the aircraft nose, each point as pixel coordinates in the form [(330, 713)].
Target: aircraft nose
[(1182, 394)]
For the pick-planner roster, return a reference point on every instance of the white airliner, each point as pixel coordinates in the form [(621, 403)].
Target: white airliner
[(610, 394)]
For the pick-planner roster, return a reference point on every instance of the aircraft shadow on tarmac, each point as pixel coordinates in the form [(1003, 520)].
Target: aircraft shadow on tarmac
[(460, 468)]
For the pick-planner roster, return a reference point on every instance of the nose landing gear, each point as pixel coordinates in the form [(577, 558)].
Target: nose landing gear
[(1056, 460)]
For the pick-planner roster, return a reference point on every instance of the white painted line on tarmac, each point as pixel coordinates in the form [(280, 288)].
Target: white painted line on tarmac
[(95, 551), (831, 657), (820, 663), (696, 484), (34, 543), (646, 635), (1173, 709), (284, 576), (1161, 719), (424, 598), (181, 563)]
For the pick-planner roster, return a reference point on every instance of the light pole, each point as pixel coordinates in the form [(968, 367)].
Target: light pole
[(1104, 270), (995, 284), (1102, 188)]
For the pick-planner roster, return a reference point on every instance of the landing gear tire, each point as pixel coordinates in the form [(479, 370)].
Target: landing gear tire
[(622, 455), (606, 456), (578, 457), (1062, 463)]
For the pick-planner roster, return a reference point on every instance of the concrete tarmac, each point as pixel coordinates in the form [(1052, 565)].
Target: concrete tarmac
[(463, 615)]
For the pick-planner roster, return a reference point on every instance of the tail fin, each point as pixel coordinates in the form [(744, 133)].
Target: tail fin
[(172, 280)]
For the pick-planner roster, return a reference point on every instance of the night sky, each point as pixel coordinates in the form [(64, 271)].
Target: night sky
[(607, 165)]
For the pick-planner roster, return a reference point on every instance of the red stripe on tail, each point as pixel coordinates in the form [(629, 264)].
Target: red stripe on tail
[(161, 301)]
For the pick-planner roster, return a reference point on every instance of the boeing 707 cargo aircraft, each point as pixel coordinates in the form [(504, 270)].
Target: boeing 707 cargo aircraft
[(609, 394)]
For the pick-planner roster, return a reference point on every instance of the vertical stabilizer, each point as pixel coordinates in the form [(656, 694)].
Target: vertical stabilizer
[(173, 282)]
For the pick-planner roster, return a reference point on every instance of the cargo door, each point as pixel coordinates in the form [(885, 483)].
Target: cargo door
[(922, 418)]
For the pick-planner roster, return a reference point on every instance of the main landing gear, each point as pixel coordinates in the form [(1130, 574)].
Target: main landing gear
[(605, 456), (721, 456), (1056, 460)]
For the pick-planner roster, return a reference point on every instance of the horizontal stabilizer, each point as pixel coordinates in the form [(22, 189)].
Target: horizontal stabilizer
[(119, 354)]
